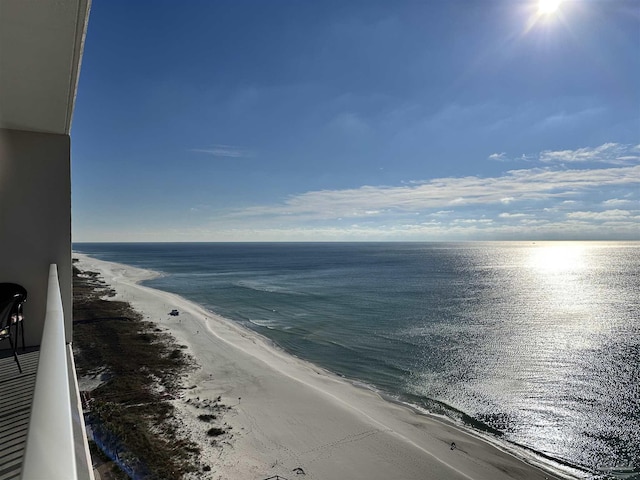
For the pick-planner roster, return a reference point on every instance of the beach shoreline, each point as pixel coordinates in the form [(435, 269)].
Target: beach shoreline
[(285, 413)]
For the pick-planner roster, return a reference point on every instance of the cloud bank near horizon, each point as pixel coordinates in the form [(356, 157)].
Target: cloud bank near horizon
[(600, 202), (587, 193)]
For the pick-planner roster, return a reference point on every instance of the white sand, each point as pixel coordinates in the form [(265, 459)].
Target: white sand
[(286, 413)]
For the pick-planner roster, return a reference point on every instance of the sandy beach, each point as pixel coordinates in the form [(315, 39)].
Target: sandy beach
[(286, 414)]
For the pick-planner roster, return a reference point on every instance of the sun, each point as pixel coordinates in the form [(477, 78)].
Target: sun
[(548, 7), (545, 13)]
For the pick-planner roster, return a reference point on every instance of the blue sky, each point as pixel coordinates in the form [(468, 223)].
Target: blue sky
[(358, 120)]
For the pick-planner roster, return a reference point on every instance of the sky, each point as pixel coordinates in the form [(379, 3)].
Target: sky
[(358, 120)]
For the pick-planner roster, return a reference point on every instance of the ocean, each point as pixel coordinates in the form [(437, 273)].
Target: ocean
[(532, 343)]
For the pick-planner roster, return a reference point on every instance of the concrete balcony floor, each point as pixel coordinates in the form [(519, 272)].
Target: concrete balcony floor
[(16, 396)]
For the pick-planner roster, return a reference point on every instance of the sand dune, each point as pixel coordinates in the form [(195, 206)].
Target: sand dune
[(288, 414)]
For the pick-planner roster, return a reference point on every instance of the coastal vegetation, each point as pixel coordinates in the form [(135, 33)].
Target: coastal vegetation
[(136, 370)]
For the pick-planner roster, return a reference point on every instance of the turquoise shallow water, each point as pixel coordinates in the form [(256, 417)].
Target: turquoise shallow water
[(536, 343)]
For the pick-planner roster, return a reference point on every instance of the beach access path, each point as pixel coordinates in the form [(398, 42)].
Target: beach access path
[(288, 414)]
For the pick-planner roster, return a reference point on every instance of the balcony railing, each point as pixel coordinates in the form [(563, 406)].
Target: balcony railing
[(56, 446)]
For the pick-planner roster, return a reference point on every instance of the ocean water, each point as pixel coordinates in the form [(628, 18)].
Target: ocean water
[(536, 344)]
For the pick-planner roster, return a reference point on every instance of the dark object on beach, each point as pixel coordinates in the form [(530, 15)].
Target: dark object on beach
[(299, 471), (174, 313), (453, 445), (206, 417)]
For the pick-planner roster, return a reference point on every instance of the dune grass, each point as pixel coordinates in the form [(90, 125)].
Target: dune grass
[(142, 368)]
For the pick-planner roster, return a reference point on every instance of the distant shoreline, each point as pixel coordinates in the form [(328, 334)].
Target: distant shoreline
[(291, 414)]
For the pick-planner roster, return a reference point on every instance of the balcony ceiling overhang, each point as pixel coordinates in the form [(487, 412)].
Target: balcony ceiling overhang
[(41, 46)]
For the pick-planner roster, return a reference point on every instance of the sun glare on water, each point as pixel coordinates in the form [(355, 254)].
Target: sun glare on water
[(558, 258)]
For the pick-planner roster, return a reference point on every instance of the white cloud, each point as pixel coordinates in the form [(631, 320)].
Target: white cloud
[(498, 156), (610, 153), (606, 215), (607, 153), (473, 220), (229, 151), (619, 202), (441, 213), (535, 184)]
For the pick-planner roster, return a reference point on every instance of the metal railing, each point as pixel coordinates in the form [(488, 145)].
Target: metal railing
[(49, 450)]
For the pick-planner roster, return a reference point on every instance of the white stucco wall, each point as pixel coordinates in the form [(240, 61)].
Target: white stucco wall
[(35, 220)]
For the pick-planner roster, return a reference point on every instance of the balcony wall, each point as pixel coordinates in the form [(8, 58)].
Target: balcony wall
[(42, 431), (35, 220)]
